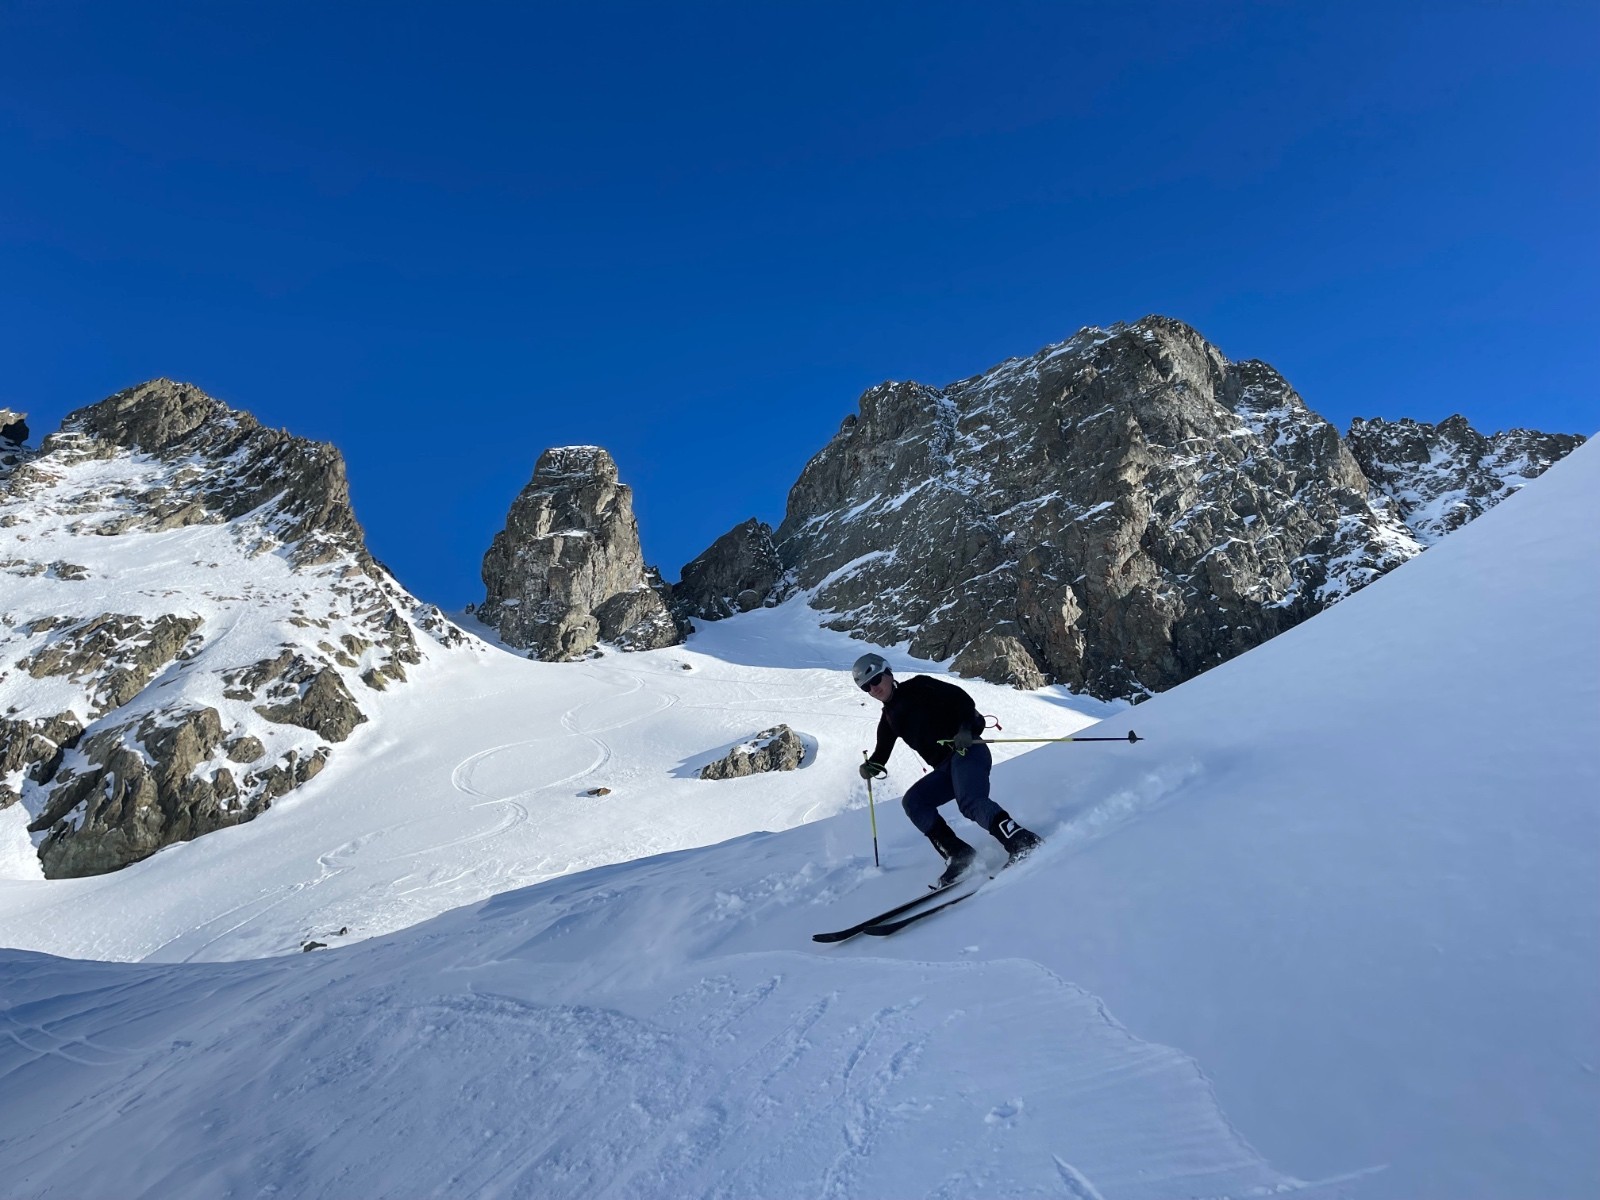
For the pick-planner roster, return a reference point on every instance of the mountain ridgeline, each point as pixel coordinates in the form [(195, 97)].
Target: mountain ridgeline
[(1117, 513), (191, 623)]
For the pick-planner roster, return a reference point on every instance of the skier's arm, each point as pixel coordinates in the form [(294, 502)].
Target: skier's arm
[(886, 736), (960, 708)]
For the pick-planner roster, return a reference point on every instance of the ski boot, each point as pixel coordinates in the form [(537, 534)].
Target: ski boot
[(958, 856), (1019, 842)]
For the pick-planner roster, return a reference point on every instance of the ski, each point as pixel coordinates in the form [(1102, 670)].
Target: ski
[(840, 935), (885, 928)]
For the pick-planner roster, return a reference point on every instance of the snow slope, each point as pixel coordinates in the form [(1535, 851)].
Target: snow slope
[(475, 779), (1332, 929)]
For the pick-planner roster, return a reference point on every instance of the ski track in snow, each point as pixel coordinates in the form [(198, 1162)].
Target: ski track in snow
[(384, 838), (771, 1074)]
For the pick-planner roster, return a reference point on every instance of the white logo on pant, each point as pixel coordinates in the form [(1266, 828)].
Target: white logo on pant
[(1008, 828)]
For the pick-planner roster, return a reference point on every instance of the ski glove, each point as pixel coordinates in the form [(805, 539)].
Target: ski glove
[(871, 770), (962, 742)]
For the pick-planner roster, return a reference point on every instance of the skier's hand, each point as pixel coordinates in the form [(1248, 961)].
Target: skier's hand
[(962, 742), (871, 770)]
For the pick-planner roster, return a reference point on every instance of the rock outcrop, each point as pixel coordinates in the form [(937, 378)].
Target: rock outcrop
[(777, 749), (740, 571), (13, 433), (13, 428), (1442, 476), (567, 572), (1117, 513), (190, 617)]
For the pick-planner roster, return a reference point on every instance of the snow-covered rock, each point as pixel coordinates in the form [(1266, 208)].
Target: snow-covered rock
[(777, 749), (190, 615), (1442, 476)]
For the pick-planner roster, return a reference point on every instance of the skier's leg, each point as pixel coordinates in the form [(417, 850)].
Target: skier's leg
[(969, 777), (1019, 842), (923, 798), (958, 856), (921, 804)]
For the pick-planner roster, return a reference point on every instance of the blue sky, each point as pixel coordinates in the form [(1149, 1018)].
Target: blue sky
[(444, 237)]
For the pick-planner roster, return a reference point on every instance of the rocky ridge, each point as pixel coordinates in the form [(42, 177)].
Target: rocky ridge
[(1442, 476), (1117, 513), (189, 618), (567, 571)]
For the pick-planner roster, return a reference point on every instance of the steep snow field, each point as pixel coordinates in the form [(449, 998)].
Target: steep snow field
[(475, 779), (1332, 930)]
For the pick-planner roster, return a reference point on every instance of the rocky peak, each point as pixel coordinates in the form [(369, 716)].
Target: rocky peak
[(237, 465), (1442, 476), (190, 617), (567, 569), (1117, 512)]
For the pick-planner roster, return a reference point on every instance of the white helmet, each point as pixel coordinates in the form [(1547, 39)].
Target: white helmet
[(868, 667)]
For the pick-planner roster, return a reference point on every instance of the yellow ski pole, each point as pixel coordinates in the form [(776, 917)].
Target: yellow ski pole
[(873, 813)]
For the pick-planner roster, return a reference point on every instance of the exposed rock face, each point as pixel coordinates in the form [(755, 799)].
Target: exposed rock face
[(315, 699), (1117, 513), (567, 569), (111, 656), (740, 571), (775, 749), (248, 616), (249, 466), (13, 429), (13, 433), (1442, 476), (151, 784)]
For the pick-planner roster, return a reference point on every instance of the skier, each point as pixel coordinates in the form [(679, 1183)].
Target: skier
[(923, 712)]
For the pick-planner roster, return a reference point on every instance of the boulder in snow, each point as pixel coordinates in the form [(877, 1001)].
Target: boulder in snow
[(775, 749)]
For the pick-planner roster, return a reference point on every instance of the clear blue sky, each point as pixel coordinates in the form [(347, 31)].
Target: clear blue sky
[(444, 237)]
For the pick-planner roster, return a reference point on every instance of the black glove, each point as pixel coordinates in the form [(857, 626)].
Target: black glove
[(962, 742), (871, 770)]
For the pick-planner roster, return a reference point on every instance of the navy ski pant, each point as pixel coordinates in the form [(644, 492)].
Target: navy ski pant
[(963, 778)]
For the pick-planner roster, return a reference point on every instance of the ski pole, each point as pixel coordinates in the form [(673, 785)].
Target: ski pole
[(873, 813), (1132, 737)]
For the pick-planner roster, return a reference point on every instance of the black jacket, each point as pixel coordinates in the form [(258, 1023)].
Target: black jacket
[(922, 711)]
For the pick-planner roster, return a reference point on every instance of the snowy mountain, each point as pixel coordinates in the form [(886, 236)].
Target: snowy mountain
[(1329, 930), (1442, 476), (192, 624), (1119, 512)]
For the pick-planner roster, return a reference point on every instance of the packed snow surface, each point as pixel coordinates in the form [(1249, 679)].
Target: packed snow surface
[(1332, 929)]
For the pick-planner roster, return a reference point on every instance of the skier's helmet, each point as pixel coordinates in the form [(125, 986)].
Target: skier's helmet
[(867, 669)]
